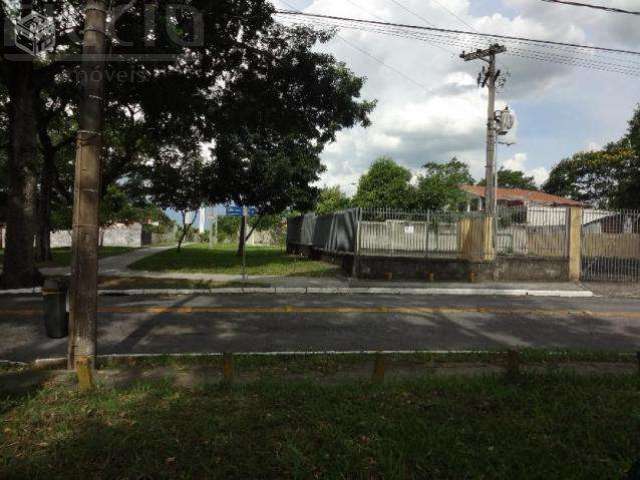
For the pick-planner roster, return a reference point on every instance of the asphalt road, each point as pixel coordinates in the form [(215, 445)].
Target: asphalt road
[(266, 323)]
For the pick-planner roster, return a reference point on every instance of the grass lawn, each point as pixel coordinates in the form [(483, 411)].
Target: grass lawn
[(544, 426), (223, 260), (62, 256)]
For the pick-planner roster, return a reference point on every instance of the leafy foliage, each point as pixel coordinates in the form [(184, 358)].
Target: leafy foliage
[(513, 179), (438, 188), (385, 185), (332, 199)]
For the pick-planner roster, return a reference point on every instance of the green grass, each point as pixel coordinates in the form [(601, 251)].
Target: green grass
[(547, 426), (223, 260), (62, 256)]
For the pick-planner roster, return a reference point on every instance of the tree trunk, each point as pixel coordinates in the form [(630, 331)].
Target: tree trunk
[(43, 235), (19, 269), (242, 240)]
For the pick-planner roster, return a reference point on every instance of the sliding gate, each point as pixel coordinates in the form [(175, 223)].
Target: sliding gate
[(611, 245)]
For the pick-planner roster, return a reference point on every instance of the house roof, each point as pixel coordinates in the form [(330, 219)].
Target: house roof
[(519, 194)]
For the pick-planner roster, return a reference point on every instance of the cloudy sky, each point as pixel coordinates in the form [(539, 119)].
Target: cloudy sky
[(440, 112)]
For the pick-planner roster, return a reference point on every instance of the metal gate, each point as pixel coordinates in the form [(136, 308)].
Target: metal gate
[(611, 245)]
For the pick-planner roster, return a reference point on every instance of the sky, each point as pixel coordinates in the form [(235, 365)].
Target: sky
[(441, 112)]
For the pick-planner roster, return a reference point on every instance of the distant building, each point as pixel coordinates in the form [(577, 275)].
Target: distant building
[(515, 197)]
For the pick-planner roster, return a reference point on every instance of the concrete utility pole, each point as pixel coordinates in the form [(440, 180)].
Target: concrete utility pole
[(489, 77), (84, 264)]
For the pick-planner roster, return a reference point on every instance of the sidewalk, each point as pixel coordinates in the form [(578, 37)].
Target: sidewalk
[(117, 266)]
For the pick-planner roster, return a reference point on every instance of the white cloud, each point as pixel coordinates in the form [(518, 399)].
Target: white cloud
[(519, 162)]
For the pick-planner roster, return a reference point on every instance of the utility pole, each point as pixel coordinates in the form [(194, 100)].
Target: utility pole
[(488, 78), (84, 264)]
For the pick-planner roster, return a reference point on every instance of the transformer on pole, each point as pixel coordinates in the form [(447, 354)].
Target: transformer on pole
[(488, 78)]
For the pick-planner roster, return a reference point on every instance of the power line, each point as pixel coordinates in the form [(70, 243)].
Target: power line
[(450, 52), (461, 32), (564, 54), (591, 5), (455, 15), (373, 57)]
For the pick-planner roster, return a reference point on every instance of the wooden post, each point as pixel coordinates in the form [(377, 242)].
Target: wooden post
[(379, 368), (513, 364), (227, 367), (85, 374), (574, 246), (84, 264), (488, 250)]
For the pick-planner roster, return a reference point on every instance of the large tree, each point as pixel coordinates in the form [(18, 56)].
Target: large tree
[(385, 185), (604, 179), (439, 188), (331, 199), (513, 179), (607, 178), (275, 119)]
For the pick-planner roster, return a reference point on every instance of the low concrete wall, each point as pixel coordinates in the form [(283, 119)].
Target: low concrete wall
[(452, 270)]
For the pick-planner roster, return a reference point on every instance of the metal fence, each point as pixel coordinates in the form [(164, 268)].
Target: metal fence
[(432, 234), (533, 231), (521, 231), (611, 245)]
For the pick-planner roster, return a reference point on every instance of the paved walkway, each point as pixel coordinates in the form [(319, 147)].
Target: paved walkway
[(115, 265)]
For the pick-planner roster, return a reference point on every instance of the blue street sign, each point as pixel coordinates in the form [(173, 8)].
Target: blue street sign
[(235, 211)]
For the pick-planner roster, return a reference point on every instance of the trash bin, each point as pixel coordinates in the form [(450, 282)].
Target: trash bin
[(56, 318)]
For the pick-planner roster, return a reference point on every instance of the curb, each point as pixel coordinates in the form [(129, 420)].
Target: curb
[(483, 292), (61, 362)]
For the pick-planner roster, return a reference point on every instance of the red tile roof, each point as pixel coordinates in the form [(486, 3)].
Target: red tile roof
[(520, 195)]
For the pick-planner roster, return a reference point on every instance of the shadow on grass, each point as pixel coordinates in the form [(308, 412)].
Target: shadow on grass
[(544, 427), (222, 260)]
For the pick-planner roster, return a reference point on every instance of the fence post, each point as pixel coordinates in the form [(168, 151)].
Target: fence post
[(488, 250), (574, 246), (356, 247)]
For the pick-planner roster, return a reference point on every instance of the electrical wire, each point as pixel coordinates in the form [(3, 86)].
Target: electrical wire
[(588, 60), (593, 6)]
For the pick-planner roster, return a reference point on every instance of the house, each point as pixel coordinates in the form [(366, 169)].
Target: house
[(539, 209), (515, 197)]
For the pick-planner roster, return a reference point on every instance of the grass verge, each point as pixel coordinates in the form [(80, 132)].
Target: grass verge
[(542, 426), (62, 256), (223, 260), (142, 283)]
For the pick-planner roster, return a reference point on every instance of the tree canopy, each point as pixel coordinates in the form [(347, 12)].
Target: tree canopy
[(607, 178), (385, 185), (513, 179), (332, 199), (439, 188)]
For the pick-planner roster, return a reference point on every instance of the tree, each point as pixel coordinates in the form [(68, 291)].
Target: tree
[(178, 181), (332, 199), (513, 179), (439, 188), (604, 179), (275, 121), (385, 185)]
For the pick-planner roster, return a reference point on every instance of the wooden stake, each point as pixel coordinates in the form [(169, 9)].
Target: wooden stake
[(227, 367), (513, 363), (84, 370), (379, 368)]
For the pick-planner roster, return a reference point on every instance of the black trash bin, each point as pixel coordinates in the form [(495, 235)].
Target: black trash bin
[(56, 318)]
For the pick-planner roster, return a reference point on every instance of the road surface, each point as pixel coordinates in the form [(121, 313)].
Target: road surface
[(249, 323)]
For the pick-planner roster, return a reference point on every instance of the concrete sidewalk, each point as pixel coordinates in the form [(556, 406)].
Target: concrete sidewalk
[(115, 265)]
